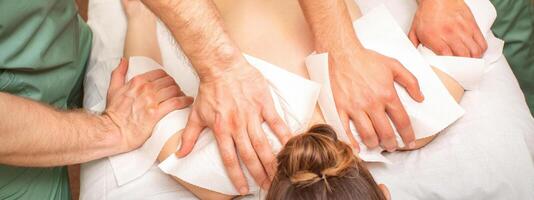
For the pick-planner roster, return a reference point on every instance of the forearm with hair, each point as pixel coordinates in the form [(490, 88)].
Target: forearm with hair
[(36, 135), (198, 28), (331, 25)]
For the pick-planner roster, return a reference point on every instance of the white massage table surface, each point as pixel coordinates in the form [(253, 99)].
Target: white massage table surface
[(481, 156)]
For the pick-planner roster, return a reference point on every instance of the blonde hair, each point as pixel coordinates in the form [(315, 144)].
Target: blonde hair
[(316, 165)]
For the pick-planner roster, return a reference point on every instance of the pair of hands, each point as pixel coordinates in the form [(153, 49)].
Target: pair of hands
[(233, 105), (362, 83)]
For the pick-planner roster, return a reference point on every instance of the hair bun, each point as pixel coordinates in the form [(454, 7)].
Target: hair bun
[(316, 154)]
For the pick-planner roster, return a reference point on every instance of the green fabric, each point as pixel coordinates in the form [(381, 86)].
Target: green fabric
[(44, 47), (34, 183), (515, 25)]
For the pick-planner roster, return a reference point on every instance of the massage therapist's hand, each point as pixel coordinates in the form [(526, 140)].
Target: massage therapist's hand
[(234, 103), (362, 85), (362, 81), (448, 28), (134, 107)]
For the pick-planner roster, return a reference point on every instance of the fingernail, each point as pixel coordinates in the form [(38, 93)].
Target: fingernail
[(179, 152), (243, 190), (392, 148), (411, 145)]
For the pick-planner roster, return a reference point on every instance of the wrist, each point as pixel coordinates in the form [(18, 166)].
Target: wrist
[(355, 54), (226, 58), (349, 58), (338, 48), (109, 135)]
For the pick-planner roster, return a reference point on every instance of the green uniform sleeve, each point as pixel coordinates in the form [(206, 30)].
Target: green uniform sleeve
[(44, 47)]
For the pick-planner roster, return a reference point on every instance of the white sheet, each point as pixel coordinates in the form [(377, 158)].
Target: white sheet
[(414, 172)]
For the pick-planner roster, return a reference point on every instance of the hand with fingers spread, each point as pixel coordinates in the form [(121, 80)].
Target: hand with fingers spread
[(134, 107), (362, 80), (234, 104), (448, 28), (363, 89)]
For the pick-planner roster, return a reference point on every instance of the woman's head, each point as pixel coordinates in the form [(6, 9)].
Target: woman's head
[(316, 165)]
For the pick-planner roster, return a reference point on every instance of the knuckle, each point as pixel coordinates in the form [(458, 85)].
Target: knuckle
[(269, 164), (276, 121), (160, 71), (370, 105), (258, 144), (138, 81), (403, 123), (247, 156), (389, 95), (448, 29), (178, 103), (367, 102), (150, 97), (145, 87), (427, 32), (115, 72), (442, 49), (412, 81), (168, 79), (228, 159), (226, 112), (388, 136), (364, 104), (366, 136), (396, 62), (175, 89)]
